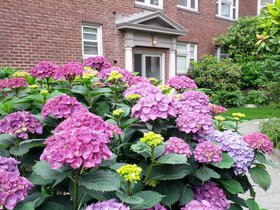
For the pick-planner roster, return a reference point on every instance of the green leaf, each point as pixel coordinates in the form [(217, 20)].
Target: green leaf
[(101, 180), (134, 199), (31, 143), (232, 186), (100, 91), (159, 150), (102, 108), (19, 151), (204, 174), (128, 122), (186, 195), (52, 205), (7, 139), (226, 162), (4, 152), (44, 170), (235, 207), (170, 191), (38, 180), (172, 159), (142, 149), (26, 206), (80, 89), (260, 176), (252, 205), (150, 200)]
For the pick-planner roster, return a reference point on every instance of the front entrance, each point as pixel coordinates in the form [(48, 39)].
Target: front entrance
[(149, 65)]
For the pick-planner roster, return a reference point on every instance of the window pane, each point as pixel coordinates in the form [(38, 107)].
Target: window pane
[(192, 51), (182, 65), (154, 2), (138, 64), (90, 48), (143, 1), (217, 8), (263, 2), (183, 3), (90, 30), (234, 3), (182, 47), (193, 4), (191, 65), (153, 67), (234, 14), (225, 10), (90, 36)]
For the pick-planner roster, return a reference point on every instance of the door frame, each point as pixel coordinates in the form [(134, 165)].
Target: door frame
[(161, 55)]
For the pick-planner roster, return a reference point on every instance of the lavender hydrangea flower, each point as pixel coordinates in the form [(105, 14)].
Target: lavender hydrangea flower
[(178, 146), (213, 194), (16, 83), (69, 71), (259, 142), (158, 207), (90, 121), (43, 69), (62, 106), (154, 106), (207, 152), (198, 205), (20, 124), (112, 204), (143, 89), (236, 147), (13, 187), (77, 147), (97, 62), (105, 73), (181, 83), (138, 79)]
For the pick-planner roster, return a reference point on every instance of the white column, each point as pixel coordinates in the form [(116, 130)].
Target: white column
[(172, 63), (128, 58)]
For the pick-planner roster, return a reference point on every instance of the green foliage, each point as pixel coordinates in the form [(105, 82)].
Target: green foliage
[(6, 72), (260, 176), (226, 162), (271, 128), (256, 97)]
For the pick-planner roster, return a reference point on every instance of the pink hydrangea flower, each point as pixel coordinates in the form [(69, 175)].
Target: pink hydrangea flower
[(91, 121), (207, 152), (69, 71), (97, 62), (213, 194), (259, 142), (77, 147), (181, 83), (142, 88), (112, 204), (138, 79), (158, 207), (20, 124), (198, 205), (13, 187), (105, 73), (16, 83), (154, 106), (192, 122), (62, 106), (215, 109), (3, 84), (178, 146), (43, 69)]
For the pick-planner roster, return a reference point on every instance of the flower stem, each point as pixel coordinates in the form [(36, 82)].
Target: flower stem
[(76, 187), (129, 191), (150, 166)]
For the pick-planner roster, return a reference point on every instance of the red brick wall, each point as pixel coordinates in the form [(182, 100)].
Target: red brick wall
[(35, 30)]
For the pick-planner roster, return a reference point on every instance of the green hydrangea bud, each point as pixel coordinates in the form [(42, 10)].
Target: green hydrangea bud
[(131, 173), (44, 92), (219, 118), (118, 112), (133, 97), (239, 115), (115, 76), (152, 139)]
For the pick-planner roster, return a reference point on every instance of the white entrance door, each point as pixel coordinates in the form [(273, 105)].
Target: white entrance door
[(149, 65)]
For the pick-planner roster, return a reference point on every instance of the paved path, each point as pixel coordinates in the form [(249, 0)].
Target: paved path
[(270, 199)]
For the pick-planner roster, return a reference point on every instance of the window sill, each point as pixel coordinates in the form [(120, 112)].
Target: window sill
[(148, 7), (188, 10), (225, 18)]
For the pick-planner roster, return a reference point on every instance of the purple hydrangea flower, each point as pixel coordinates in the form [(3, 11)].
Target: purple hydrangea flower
[(15, 83), (77, 147), (198, 205), (236, 147), (20, 124), (90, 121), (181, 83), (259, 142), (69, 71), (143, 89), (158, 207), (13, 187), (207, 152), (105, 73), (215, 109), (138, 79), (213, 194), (44, 69), (192, 122), (97, 62), (62, 106), (178, 146), (3, 84), (154, 106), (112, 204)]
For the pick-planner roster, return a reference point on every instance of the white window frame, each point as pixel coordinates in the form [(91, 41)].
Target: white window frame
[(230, 2), (187, 54), (98, 40), (188, 7), (260, 7), (148, 4)]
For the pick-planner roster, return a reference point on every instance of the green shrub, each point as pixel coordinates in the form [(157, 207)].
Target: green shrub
[(6, 72), (272, 129), (230, 99), (257, 97)]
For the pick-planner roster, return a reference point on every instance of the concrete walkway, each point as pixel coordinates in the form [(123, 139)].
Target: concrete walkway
[(270, 199)]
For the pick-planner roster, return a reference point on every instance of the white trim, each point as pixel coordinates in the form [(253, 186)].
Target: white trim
[(232, 7), (260, 7), (188, 6), (148, 4)]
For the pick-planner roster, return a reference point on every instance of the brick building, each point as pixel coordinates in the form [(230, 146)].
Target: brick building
[(157, 38)]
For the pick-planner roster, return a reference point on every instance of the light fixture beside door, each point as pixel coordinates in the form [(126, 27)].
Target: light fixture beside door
[(154, 40)]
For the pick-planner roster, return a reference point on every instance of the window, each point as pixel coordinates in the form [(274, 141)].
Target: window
[(227, 9), (221, 53), (150, 3), (186, 53), (92, 41), (262, 4), (188, 4)]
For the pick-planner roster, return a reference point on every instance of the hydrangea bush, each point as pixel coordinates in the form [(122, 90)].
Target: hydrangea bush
[(91, 136)]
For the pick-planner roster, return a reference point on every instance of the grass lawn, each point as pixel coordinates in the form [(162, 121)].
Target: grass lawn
[(255, 113)]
